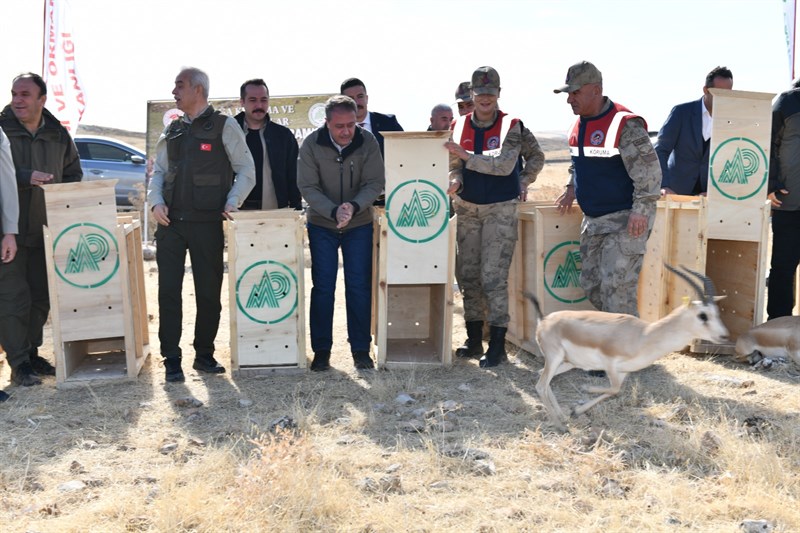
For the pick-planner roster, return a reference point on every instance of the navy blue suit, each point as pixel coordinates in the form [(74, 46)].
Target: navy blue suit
[(380, 122), (682, 151)]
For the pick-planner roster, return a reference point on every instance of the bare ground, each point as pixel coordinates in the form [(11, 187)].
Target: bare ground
[(691, 443)]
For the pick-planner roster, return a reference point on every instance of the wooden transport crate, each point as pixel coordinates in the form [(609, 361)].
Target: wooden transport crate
[(266, 272), (546, 263), (416, 254), (738, 214), (678, 238), (96, 283)]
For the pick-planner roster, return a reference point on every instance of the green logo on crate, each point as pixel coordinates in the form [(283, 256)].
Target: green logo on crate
[(417, 211), (266, 292), (562, 273), (85, 255), (739, 168)]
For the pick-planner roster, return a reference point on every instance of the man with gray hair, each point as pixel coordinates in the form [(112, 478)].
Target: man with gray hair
[(441, 118), (340, 175), (203, 171), (616, 177)]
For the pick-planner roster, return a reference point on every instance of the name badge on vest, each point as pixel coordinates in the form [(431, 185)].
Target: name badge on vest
[(205, 147)]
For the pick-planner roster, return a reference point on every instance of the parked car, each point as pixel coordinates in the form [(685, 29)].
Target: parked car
[(103, 158)]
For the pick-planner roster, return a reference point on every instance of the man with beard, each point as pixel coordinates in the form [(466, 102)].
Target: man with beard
[(616, 178), (43, 152), (441, 118), (274, 150), (203, 171)]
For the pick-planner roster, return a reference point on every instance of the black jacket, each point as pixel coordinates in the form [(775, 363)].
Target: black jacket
[(282, 151), (49, 150), (380, 122)]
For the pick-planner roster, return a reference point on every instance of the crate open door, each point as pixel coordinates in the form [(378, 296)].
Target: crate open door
[(416, 261), (96, 284)]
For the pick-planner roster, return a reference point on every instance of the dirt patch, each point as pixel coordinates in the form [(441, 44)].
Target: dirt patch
[(449, 449)]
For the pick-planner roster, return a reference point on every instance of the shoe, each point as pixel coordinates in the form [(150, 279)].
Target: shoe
[(496, 353), (362, 360), (474, 344), (3, 396), (25, 376), (42, 366), (207, 364), (174, 372), (322, 361)]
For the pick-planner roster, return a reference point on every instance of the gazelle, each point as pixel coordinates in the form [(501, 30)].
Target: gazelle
[(779, 337), (620, 344)]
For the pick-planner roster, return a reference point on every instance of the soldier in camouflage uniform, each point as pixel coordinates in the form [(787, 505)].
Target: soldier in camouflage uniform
[(616, 178), (485, 182)]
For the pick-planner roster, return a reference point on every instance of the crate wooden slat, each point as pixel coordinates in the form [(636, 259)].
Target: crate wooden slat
[(546, 263), (96, 284), (678, 238), (266, 291)]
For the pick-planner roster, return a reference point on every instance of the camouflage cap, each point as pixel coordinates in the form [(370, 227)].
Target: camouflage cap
[(578, 75), (463, 93), (486, 80)]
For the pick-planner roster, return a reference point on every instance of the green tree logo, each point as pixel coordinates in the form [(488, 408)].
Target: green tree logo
[(738, 169), (85, 255), (88, 254), (562, 273), (422, 207), (267, 292), (417, 211), (273, 287)]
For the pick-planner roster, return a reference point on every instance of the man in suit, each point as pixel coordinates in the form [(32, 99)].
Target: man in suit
[(371, 121), (683, 142), (274, 149)]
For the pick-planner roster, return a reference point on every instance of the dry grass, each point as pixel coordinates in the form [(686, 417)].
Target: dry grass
[(687, 445)]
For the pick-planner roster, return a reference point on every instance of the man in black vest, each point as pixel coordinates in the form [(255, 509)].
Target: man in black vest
[(274, 149), (203, 171)]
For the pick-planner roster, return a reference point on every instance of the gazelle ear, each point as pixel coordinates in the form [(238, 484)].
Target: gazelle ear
[(718, 298)]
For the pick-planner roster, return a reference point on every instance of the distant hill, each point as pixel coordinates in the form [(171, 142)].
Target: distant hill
[(134, 138)]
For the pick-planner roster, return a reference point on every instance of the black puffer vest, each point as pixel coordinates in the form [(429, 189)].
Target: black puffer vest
[(200, 175)]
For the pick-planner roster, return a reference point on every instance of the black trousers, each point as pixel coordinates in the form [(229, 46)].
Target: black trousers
[(204, 241), (15, 308), (785, 258)]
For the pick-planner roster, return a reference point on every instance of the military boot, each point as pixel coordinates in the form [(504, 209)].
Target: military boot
[(497, 348), (474, 344)]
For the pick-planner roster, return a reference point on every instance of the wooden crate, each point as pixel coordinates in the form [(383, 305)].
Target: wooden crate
[(546, 263), (96, 284), (678, 238), (266, 272), (415, 254), (738, 215)]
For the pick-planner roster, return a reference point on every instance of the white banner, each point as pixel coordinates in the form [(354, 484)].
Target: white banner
[(789, 14), (65, 95)]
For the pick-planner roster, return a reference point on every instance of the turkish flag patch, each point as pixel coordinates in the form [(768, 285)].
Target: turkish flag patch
[(205, 147)]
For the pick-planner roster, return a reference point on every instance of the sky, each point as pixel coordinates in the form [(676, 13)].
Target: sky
[(411, 54)]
